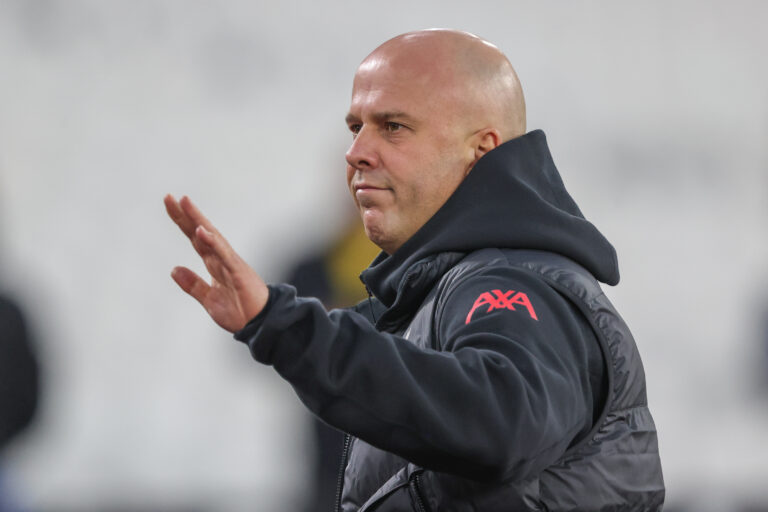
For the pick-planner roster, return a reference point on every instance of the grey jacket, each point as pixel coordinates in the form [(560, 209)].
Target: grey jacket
[(614, 467)]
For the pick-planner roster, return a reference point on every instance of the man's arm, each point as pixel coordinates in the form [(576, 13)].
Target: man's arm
[(504, 399)]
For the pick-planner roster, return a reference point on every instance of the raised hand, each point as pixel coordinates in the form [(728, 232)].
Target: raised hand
[(236, 293)]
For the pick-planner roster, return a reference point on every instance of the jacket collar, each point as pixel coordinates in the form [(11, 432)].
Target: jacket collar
[(513, 198)]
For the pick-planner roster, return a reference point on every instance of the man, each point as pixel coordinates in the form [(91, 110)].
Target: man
[(487, 371)]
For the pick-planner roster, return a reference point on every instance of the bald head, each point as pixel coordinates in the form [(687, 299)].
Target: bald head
[(426, 106), (476, 78)]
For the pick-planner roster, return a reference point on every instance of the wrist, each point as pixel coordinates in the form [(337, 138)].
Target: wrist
[(253, 325)]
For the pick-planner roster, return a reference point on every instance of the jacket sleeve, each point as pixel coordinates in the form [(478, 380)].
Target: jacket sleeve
[(503, 397)]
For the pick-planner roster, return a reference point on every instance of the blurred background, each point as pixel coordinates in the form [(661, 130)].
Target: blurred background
[(656, 114)]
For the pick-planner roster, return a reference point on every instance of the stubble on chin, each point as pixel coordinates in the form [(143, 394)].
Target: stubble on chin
[(376, 233)]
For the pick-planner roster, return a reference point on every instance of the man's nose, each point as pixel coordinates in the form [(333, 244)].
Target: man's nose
[(362, 153)]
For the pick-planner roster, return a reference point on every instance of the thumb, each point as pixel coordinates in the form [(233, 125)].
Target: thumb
[(191, 283)]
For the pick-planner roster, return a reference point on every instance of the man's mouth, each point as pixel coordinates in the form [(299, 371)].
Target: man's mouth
[(367, 186)]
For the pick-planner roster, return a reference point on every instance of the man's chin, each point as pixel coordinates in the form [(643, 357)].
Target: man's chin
[(374, 230)]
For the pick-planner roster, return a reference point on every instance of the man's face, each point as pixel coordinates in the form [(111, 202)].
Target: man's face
[(409, 149)]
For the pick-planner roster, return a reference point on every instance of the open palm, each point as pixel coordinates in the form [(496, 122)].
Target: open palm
[(236, 293)]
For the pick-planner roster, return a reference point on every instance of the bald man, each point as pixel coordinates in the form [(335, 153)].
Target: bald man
[(486, 371)]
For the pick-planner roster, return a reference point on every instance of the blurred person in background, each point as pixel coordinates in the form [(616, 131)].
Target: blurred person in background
[(18, 385), (330, 274), (486, 370)]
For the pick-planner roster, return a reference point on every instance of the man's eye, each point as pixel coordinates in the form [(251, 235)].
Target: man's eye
[(354, 128), (393, 127)]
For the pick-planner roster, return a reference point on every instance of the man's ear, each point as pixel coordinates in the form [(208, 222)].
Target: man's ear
[(482, 142)]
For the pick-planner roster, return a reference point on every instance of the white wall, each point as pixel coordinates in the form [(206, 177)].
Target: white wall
[(656, 113)]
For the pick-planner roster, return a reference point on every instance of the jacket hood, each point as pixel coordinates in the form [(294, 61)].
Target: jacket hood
[(513, 198)]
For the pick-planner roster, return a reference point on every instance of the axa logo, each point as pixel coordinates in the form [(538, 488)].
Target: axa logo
[(496, 299)]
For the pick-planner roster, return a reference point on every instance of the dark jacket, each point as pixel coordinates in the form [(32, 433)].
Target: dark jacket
[(497, 376)]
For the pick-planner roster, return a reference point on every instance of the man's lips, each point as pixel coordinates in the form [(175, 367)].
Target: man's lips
[(369, 196), (367, 186)]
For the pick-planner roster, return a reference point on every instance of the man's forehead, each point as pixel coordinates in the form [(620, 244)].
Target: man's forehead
[(400, 77), (408, 62), (384, 101), (387, 93)]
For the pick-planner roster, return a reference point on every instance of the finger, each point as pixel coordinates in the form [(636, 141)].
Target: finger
[(178, 216), (206, 239), (194, 214), (212, 243), (191, 283)]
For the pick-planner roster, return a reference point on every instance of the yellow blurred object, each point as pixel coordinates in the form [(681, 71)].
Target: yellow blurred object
[(347, 258)]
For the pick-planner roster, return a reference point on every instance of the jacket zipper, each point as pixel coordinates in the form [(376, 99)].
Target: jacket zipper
[(370, 303), (417, 494), (340, 481)]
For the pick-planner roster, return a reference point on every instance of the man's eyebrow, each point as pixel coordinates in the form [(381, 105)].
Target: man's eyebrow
[(382, 117)]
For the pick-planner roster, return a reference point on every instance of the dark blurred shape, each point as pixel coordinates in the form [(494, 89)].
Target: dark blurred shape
[(763, 357), (332, 275), (19, 383), (18, 373)]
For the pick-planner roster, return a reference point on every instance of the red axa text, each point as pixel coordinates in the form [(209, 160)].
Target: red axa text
[(495, 299)]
